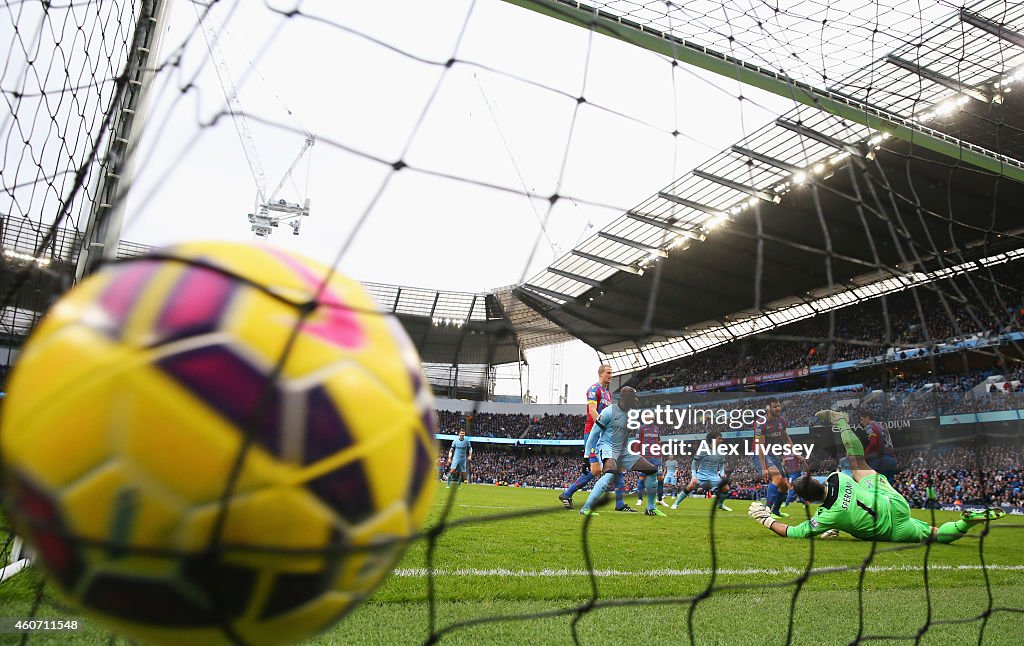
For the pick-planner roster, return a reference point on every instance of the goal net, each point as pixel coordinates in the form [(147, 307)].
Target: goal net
[(731, 204)]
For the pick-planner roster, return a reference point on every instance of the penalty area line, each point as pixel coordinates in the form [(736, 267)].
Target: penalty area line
[(553, 573)]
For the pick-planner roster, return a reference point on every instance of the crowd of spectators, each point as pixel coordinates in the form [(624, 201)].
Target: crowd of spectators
[(962, 475), (965, 474), (484, 424), (951, 394), (900, 400), (515, 425), (556, 427), (523, 467), (969, 474), (985, 305)]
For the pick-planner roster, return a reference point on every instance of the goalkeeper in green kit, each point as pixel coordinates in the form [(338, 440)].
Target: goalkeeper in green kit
[(865, 506)]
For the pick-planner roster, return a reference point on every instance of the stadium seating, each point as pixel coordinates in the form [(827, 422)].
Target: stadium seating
[(857, 333)]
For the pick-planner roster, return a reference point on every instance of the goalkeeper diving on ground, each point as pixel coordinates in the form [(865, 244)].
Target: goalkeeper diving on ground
[(864, 506)]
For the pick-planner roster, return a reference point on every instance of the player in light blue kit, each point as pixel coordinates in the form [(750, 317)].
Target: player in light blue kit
[(708, 472), (599, 397), (458, 457), (671, 475), (608, 440)]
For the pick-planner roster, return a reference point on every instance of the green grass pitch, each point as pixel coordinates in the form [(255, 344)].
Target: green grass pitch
[(535, 564)]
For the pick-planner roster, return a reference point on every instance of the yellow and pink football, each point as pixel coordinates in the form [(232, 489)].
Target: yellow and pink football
[(212, 444)]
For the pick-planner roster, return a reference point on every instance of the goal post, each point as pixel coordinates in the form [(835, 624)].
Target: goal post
[(117, 165), (120, 123)]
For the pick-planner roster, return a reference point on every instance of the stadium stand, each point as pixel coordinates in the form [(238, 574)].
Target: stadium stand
[(859, 333), (917, 399), (965, 470), (955, 483)]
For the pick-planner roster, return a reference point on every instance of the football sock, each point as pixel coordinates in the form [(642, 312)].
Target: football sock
[(952, 531), (652, 492), (777, 507), (641, 486), (773, 493), (850, 440), (791, 496), (581, 482), (620, 489), (661, 489), (598, 490)]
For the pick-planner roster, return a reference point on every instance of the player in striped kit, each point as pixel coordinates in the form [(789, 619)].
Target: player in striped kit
[(879, 453), (767, 435), (649, 435), (708, 472)]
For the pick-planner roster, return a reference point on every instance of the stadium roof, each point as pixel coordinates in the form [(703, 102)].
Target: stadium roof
[(798, 208), (448, 328), (821, 43), (451, 327)]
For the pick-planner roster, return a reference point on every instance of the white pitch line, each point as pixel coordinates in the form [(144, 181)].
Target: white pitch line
[(467, 572), (486, 506)]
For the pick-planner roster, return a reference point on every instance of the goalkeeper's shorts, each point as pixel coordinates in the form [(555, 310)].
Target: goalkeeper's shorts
[(905, 528)]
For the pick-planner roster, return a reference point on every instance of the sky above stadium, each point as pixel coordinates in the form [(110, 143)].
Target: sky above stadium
[(503, 125)]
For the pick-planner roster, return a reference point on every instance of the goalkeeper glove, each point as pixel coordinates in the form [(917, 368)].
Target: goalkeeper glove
[(761, 514)]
